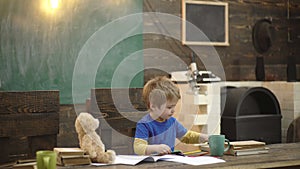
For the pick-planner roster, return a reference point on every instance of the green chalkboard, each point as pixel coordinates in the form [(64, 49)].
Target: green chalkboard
[(40, 46)]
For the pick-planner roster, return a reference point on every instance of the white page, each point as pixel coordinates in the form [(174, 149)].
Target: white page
[(129, 159), (135, 159), (201, 160)]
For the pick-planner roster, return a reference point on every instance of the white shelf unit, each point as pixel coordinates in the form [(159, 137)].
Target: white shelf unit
[(200, 112)]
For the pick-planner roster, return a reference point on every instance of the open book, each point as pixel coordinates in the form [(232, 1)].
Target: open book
[(136, 159)]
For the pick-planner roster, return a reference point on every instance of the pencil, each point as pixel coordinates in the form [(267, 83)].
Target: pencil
[(192, 152), (199, 154)]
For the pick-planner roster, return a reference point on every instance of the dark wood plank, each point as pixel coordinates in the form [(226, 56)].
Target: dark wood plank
[(122, 128), (294, 9), (4, 149), (113, 101), (29, 124), (122, 123), (44, 142), (118, 110), (29, 102), (16, 148)]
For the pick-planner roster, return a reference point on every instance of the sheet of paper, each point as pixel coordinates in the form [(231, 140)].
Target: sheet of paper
[(135, 159), (201, 160), (132, 159)]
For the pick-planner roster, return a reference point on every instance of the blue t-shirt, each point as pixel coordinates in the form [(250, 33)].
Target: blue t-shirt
[(155, 132)]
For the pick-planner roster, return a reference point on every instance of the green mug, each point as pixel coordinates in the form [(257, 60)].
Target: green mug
[(46, 159), (216, 145)]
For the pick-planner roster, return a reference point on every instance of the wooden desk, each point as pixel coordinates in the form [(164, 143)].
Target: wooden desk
[(280, 156)]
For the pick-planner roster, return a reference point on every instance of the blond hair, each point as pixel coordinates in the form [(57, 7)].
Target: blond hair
[(170, 90), (157, 97)]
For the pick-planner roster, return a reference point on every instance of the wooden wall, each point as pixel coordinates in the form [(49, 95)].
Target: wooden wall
[(29, 122), (239, 58)]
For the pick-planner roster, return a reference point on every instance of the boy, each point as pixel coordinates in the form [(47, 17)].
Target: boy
[(156, 132)]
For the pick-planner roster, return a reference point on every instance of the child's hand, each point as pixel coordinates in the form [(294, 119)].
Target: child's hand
[(203, 138), (163, 149)]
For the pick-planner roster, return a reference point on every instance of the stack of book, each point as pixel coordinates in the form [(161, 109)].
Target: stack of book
[(31, 165), (71, 156), (238, 148), (25, 164)]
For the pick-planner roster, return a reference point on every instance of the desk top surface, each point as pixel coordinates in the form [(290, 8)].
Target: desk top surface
[(280, 155)]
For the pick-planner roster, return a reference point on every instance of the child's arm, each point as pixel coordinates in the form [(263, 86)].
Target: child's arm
[(159, 149), (141, 147), (192, 137)]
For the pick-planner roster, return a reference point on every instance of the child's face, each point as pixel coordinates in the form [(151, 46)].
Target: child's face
[(156, 111), (168, 110)]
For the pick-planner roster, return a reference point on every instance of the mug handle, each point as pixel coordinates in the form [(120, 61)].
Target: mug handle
[(46, 162), (228, 145)]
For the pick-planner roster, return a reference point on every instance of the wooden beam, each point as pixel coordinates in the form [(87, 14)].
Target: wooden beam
[(29, 102), (29, 124)]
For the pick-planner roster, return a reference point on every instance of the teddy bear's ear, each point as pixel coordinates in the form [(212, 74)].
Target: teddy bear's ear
[(87, 121), (96, 123)]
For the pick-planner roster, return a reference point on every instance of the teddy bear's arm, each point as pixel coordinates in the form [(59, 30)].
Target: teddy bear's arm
[(87, 145)]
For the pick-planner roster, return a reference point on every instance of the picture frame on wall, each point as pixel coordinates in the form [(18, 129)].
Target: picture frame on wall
[(205, 23)]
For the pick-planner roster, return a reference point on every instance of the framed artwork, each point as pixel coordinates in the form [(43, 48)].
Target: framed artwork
[(204, 23)]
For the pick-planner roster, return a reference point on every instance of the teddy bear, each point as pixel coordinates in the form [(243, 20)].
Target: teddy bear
[(90, 141)]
